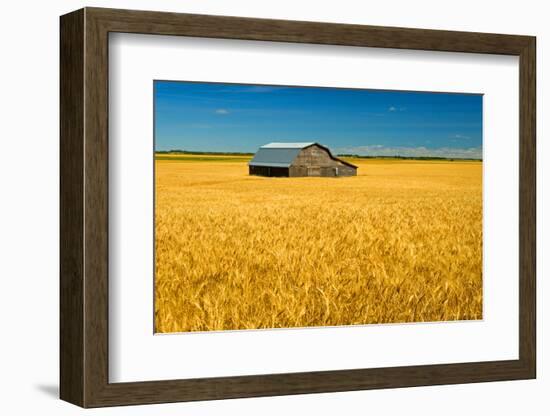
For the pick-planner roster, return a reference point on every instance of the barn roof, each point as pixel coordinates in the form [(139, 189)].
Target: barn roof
[(276, 145), (281, 155)]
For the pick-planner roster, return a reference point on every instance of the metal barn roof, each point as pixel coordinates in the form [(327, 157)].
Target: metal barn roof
[(280, 155), (287, 145)]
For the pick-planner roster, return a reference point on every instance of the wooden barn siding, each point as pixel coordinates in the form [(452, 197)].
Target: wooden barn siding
[(345, 170), (315, 161)]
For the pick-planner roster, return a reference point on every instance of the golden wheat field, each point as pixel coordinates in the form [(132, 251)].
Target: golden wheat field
[(401, 242)]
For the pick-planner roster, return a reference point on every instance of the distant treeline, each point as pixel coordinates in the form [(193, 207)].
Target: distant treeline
[(411, 157), (192, 152)]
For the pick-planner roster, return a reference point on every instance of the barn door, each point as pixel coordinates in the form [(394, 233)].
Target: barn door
[(314, 171)]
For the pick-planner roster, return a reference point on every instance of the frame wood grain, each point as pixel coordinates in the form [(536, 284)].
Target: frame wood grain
[(84, 207)]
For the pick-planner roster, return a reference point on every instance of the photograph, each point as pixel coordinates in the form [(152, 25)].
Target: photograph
[(281, 206)]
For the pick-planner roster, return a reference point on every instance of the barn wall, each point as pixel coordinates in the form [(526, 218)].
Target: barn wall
[(313, 156), (316, 161), (297, 171), (345, 170)]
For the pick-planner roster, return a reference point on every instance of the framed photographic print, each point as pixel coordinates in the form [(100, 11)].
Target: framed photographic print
[(254, 207)]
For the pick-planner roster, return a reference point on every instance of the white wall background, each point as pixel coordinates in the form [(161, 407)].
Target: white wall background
[(29, 210)]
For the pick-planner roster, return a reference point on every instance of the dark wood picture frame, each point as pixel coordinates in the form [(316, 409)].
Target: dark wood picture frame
[(84, 207)]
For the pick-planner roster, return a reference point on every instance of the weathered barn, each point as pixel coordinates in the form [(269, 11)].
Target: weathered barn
[(298, 159)]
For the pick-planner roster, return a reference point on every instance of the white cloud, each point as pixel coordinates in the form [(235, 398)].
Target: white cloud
[(394, 108), (420, 151), (222, 111), (461, 136)]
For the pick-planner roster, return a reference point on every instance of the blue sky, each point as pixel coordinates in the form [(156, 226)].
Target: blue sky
[(241, 118)]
